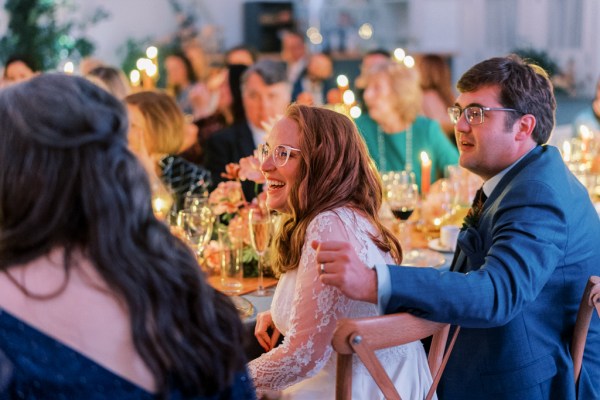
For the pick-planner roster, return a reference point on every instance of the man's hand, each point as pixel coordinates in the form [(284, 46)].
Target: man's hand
[(339, 266)]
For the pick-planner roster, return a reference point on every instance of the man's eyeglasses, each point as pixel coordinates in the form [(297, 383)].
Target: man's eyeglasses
[(474, 114), (281, 153)]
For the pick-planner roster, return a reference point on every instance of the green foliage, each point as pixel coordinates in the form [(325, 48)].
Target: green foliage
[(34, 31)]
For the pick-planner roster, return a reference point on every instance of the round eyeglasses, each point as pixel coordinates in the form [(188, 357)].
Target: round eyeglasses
[(474, 114), (281, 153)]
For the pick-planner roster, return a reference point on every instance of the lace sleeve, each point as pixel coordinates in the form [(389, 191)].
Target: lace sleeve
[(315, 310)]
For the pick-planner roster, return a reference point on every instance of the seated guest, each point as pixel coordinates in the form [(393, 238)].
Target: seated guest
[(394, 131), (240, 55), (97, 299), (157, 129), (113, 79), (323, 196), (224, 95), (312, 85), (18, 68), (523, 259), (436, 84), (265, 95)]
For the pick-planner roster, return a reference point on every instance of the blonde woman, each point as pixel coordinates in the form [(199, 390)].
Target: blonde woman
[(394, 131), (156, 135)]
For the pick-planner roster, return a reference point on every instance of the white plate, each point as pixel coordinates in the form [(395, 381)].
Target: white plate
[(423, 258), (434, 244)]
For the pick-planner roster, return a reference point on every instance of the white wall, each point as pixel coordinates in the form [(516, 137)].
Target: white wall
[(456, 27)]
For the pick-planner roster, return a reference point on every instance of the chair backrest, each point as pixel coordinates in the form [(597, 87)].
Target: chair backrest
[(589, 301), (362, 336)]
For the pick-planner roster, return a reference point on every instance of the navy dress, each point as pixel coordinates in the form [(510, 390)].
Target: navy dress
[(43, 368)]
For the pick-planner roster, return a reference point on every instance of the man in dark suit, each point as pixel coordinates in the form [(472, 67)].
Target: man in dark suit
[(523, 258), (265, 95)]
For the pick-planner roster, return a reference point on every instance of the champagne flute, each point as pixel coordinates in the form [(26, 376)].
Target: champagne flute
[(197, 226), (260, 237)]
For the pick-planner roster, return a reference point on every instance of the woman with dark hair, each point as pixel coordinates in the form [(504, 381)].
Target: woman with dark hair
[(436, 84), (97, 299), (19, 68), (320, 177), (181, 79)]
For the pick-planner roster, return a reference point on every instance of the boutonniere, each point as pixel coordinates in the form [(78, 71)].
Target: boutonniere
[(472, 218)]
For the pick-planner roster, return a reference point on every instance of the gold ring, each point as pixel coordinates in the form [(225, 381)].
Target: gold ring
[(322, 268)]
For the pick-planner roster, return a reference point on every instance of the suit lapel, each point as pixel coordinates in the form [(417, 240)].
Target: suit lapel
[(459, 260)]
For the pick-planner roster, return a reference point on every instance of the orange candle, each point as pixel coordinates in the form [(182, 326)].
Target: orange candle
[(425, 173)]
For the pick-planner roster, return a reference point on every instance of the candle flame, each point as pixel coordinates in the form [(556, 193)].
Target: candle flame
[(425, 158), (342, 80)]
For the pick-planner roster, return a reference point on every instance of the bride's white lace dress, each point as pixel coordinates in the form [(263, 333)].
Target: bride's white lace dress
[(306, 311)]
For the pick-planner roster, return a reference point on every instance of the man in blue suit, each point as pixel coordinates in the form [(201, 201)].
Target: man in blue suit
[(523, 257)]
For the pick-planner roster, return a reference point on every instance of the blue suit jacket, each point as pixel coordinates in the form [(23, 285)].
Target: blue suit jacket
[(520, 279)]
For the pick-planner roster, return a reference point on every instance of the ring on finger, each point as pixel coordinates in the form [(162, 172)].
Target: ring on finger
[(322, 268)]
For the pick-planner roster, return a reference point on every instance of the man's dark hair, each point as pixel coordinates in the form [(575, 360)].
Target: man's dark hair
[(271, 72), (523, 86)]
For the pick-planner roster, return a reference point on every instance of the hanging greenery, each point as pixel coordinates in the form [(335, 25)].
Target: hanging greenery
[(35, 31)]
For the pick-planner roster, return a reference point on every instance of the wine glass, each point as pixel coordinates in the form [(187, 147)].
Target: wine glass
[(260, 237), (197, 225), (403, 197), (194, 201)]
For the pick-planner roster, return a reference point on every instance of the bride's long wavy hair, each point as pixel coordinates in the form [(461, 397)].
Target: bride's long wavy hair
[(67, 180), (335, 170)]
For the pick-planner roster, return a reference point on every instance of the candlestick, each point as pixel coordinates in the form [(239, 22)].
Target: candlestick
[(425, 173)]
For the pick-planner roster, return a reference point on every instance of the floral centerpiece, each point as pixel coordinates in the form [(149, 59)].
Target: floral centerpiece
[(231, 209)]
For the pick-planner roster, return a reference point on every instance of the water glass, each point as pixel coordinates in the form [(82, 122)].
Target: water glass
[(230, 257)]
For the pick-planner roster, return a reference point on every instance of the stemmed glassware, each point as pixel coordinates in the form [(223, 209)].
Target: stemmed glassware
[(403, 198), (197, 225), (261, 228)]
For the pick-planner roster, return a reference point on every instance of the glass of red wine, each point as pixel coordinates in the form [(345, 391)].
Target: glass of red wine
[(403, 197)]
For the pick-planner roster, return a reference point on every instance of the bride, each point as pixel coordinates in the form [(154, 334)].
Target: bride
[(320, 177)]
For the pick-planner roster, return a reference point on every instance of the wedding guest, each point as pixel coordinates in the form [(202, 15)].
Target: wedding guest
[(181, 80), (240, 55), (394, 131), (226, 109), (522, 261), (320, 177), (294, 54), (97, 299), (265, 95), (369, 59), (156, 134), (314, 82), (113, 80), (18, 68), (436, 84)]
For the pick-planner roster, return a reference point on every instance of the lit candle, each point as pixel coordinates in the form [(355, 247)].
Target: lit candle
[(135, 77), (342, 82), (69, 68), (425, 173)]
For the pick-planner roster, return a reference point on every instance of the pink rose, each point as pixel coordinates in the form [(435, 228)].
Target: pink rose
[(250, 170), (227, 197)]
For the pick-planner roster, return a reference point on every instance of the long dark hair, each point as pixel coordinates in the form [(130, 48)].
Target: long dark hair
[(67, 180), (335, 163)]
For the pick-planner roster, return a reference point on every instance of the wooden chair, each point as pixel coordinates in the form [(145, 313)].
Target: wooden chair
[(589, 301), (364, 335)]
